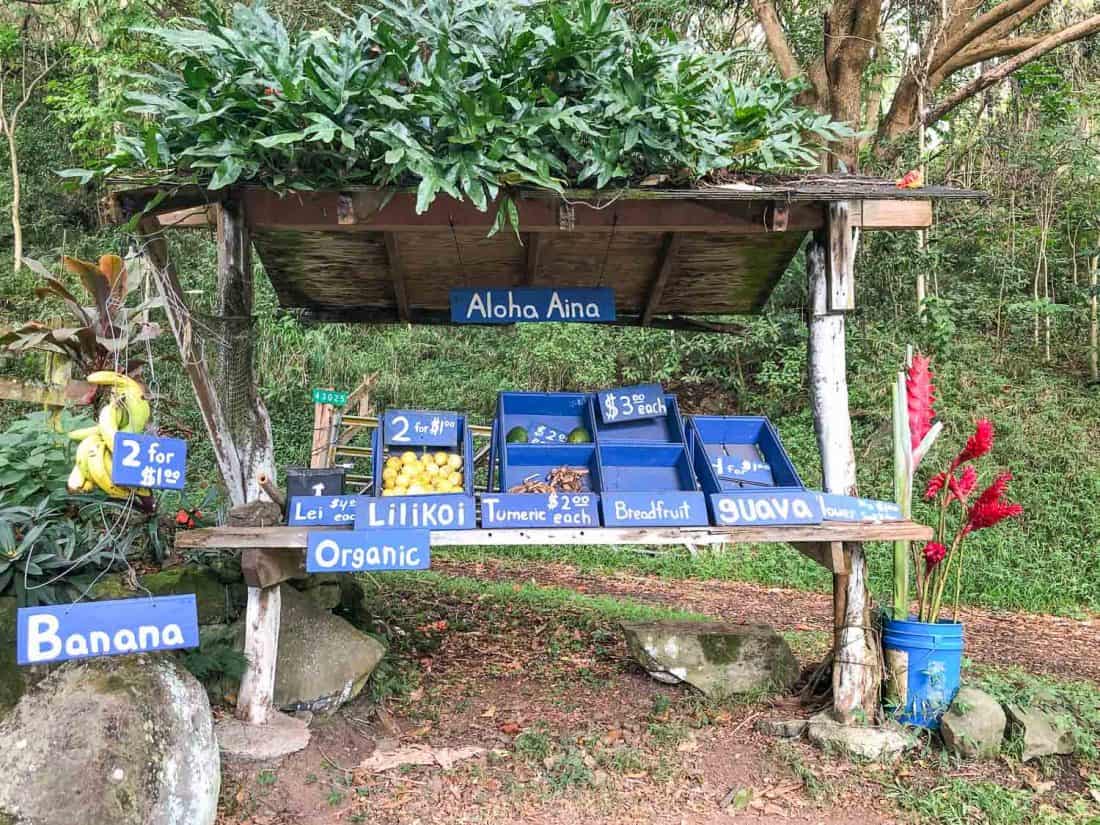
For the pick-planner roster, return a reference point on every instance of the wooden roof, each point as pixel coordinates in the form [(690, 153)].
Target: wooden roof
[(364, 254)]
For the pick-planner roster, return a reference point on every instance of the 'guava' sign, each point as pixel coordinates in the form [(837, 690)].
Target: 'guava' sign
[(54, 633)]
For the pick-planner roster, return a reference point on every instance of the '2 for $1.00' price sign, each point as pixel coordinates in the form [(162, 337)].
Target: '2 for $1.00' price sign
[(630, 403), (148, 461), (417, 427)]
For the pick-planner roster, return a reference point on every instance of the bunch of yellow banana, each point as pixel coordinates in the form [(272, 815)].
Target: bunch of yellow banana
[(126, 411)]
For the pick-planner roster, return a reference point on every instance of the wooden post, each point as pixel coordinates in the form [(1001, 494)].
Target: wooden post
[(261, 647), (829, 264)]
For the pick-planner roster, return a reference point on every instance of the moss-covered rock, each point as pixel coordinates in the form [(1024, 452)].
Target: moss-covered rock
[(218, 601), (12, 683), (127, 740), (718, 658)]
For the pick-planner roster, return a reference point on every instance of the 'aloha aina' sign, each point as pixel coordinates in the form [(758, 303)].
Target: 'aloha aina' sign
[(148, 461), (355, 551), (582, 305), (54, 633)]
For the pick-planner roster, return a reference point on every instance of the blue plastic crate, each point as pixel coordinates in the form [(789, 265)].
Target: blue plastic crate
[(522, 461), (548, 417), (645, 467), (758, 485), (421, 510), (667, 429)]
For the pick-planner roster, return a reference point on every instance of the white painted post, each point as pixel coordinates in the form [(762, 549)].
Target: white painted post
[(831, 252), (261, 647)]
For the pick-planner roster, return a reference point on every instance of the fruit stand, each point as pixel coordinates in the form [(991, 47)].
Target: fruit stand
[(668, 258)]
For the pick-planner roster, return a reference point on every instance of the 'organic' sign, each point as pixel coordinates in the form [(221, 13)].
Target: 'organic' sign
[(531, 304), (355, 551), (54, 633)]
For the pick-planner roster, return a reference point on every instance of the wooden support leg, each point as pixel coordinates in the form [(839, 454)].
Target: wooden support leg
[(829, 259), (255, 702)]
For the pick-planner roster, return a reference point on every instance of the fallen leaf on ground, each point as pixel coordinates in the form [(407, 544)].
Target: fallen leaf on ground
[(419, 755), (510, 728)]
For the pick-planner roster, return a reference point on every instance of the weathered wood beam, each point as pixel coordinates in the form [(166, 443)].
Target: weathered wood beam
[(899, 214), (263, 568), (255, 700), (12, 389), (667, 258), (841, 258), (397, 275), (155, 249), (829, 554), (533, 242), (857, 672)]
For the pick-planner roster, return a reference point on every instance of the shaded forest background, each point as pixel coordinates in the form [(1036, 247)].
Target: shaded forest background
[(1008, 315)]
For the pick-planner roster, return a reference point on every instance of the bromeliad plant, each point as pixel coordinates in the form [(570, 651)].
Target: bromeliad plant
[(466, 97), (960, 513)]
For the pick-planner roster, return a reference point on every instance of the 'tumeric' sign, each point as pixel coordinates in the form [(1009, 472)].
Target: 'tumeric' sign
[(643, 509), (305, 511), (510, 306), (417, 427), (355, 551), (430, 512), (148, 461), (540, 510), (334, 397), (759, 508), (54, 633), (630, 403), (851, 508)]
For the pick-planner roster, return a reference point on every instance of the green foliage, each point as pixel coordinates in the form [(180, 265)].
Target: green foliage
[(214, 660), (457, 96), (35, 459)]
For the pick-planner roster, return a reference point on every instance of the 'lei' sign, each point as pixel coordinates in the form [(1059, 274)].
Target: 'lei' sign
[(631, 403), (579, 305), (308, 511), (54, 633), (148, 461)]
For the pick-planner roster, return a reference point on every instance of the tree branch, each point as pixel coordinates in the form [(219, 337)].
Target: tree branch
[(1019, 10), (778, 45), (985, 51), (1088, 26)]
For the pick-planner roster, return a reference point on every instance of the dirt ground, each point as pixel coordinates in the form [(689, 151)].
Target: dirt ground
[(569, 730)]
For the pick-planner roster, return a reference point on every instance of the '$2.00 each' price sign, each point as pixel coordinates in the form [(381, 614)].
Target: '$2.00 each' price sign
[(149, 461)]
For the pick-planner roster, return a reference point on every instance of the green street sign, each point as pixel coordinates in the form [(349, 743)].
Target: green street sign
[(336, 397)]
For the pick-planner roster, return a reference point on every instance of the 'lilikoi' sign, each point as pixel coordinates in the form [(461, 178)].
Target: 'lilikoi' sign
[(54, 633)]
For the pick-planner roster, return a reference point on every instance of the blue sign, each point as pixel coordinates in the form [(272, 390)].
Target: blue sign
[(447, 511), (540, 510), (357, 551), (54, 633), (545, 434), (758, 508), (148, 461), (640, 509), (748, 470), (630, 403), (510, 306), (851, 508), (305, 511), (417, 427)]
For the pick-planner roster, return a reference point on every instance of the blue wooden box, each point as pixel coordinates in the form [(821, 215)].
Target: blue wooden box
[(648, 484), (667, 429), (521, 461), (758, 484), (420, 510)]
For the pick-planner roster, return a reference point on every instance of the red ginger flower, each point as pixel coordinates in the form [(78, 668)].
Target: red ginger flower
[(989, 508), (181, 518), (935, 484), (934, 553), (920, 393), (980, 443), (963, 485)]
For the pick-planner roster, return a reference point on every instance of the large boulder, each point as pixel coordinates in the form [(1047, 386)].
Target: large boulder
[(323, 660), (974, 725), (127, 740), (217, 601), (1042, 732), (718, 658)]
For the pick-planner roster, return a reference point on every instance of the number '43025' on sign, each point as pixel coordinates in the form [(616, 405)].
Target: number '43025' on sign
[(148, 461)]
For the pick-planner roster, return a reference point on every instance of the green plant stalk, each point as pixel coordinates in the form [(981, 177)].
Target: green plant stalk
[(903, 493)]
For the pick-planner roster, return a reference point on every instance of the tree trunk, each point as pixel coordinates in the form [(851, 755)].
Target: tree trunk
[(16, 198)]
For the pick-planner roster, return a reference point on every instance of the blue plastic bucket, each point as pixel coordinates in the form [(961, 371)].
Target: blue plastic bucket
[(927, 662)]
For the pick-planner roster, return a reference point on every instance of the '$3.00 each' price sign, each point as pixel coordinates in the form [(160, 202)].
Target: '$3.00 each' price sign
[(149, 461), (630, 403)]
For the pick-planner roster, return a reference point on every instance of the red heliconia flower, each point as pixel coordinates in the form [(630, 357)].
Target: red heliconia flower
[(921, 395), (963, 485), (980, 443), (935, 484), (934, 553), (989, 508), (181, 518)]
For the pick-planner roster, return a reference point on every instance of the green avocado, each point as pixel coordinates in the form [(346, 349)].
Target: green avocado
[(516, 435), (579, 435)]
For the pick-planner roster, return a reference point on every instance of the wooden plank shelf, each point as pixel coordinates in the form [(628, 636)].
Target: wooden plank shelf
[(296, 538)]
